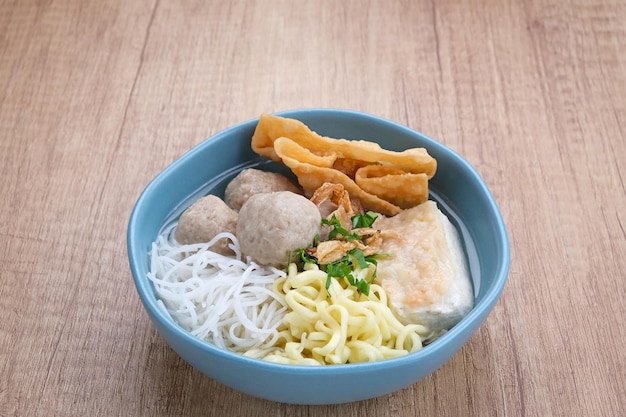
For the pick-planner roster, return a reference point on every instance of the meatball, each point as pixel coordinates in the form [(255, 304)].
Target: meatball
[(253, 181), (203, 220), (271, 225)]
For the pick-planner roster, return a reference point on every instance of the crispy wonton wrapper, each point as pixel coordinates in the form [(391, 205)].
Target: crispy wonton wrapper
[(384, 181), (311, 177), (405, 190)]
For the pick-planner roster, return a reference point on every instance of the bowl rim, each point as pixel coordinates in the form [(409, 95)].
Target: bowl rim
[(478, 313)]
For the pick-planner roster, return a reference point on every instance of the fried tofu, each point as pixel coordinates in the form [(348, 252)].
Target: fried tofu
[(426, 276)]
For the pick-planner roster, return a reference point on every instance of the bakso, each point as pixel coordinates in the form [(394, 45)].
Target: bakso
[(271, 225), (203, 220), (253, 181)]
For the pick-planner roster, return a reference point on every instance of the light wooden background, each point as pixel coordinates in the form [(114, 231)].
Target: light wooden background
[(96, 97)]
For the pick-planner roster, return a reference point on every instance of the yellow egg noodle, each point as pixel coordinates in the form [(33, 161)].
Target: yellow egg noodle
[(338, 325), (221, 299)]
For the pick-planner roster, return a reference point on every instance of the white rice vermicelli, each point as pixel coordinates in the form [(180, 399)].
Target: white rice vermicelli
[(221, 299)]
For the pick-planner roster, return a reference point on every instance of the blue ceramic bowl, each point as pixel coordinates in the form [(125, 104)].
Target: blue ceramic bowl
[(206, 168)]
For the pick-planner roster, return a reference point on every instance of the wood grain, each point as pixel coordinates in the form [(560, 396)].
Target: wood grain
[(97, 97)]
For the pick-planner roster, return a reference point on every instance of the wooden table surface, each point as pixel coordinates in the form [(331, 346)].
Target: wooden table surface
[(96, 97)]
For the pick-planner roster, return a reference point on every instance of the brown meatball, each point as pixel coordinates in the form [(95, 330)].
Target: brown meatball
[(272, 225), (253, 181), (203, 220)]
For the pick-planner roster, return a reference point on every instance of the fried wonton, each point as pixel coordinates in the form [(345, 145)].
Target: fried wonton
[(402, 189), (384, 181), (311, 177)]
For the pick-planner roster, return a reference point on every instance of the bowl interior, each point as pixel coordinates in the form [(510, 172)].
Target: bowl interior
[(208, 167)]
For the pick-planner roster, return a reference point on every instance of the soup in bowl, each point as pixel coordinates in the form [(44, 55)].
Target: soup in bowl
[(456, 188)]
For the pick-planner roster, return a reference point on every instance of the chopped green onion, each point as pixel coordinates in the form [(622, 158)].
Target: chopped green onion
[(338, 230), (364, 220), (353, 260)]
